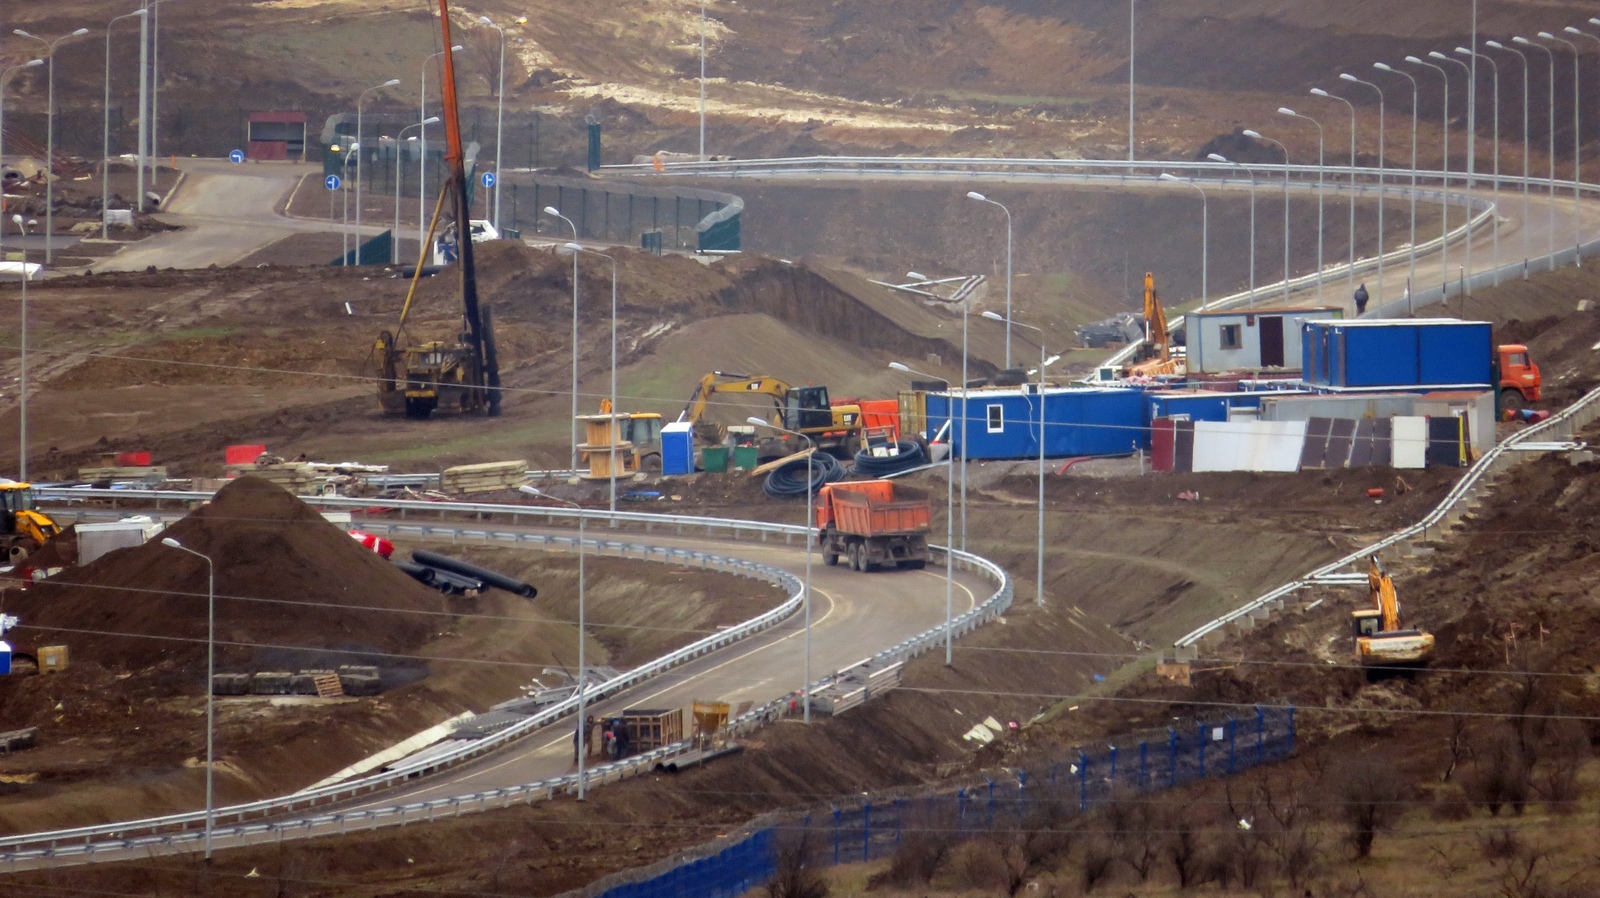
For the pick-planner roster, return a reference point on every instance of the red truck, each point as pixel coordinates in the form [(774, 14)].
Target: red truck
[(862, 523)]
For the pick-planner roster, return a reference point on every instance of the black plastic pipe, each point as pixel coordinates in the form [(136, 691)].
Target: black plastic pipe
[(462, 568)]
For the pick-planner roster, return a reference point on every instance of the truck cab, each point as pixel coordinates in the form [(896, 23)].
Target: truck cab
[(1520, 381)]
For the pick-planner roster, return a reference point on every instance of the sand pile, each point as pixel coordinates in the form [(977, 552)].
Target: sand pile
[(284, 577)]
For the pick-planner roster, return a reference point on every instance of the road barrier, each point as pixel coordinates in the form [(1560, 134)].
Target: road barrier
[(183, 831)]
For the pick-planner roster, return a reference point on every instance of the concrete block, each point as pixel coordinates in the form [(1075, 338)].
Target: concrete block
[(230, 684), (302, 684), (270, 683), (360, 684)]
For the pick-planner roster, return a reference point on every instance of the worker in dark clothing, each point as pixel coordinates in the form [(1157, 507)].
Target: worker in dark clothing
[(1361, 300), (619, 740)]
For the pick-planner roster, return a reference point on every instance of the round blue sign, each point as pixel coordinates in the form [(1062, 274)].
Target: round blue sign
[(236, 157), (488, 179), (332, 182)]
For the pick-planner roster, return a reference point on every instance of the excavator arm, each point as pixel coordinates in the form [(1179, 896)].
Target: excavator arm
[(1381, 588), (1155, 319), (715, 383)]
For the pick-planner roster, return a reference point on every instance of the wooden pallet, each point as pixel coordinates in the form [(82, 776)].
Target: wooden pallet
[(328, 685)]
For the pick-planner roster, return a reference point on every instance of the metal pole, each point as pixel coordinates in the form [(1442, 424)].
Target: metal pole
[(1205, 227), (1130, 112), (211, 676), (1257, 135), (422, 158), (394, 244), (1494, 68), (361, 150), (1038, 596), (1444, 202), (144, 106), (614, 458), (105, 129), (1411, 255), (1472, 123), (499, 118), (1215, 157), (1550, 149), (583, 720), (22, 386), (973, 194), (1577, 131), (811, 541), (50, 137), (1348, 77), (1471, 139), (155, 90), (1321, 165), (702, 80), (1351, 270), (552, 210), (1526, 77)]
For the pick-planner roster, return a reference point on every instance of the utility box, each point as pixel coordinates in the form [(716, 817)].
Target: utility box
[(1398, 353), (677, 449), (52, 658)]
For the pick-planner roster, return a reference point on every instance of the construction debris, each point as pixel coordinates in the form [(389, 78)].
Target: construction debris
[(490, 477)]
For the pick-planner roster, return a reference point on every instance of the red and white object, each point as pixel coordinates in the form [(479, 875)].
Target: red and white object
[(375, 543)]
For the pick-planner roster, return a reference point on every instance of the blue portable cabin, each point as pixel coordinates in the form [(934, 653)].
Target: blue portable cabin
[(1004, 423), (1197, 405), (1398, 353)]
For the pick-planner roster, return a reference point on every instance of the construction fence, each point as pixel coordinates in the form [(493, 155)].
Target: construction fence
[(1078, 781)]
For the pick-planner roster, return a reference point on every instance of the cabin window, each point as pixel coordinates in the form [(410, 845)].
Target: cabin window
[(997, 418), (1229, 334), (1517, 360)]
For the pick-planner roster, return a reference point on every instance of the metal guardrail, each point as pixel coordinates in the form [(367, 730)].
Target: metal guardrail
[(177, 830), (1561, 427)]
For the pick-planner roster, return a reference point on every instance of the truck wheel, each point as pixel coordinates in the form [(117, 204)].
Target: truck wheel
[(854, 552), (1512, 400), (830, 559)]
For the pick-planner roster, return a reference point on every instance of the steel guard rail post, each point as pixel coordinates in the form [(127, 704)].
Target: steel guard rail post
[(87, 840)]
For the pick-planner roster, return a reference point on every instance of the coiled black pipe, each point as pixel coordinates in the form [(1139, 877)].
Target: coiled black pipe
[(462, 568), (869, 465), (794, 478)]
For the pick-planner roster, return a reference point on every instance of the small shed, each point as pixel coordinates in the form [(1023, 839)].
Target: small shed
[(275, 136), (1249, 339), (1004, 423)]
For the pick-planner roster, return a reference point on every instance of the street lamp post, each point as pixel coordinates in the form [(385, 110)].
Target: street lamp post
[(1321, 163), (1205, 232), (1577, 141), (975, 195), (949, 514), (702, 80), (1494, 69), (811, 541), (105, 132), (1444, 203), (1472, 138), (553, 211), (1038, 595), (577, 248), (50, 136), (1130, 123), (1527, 75), (500, 114), (1550, 148), (394, 244), (1351, 268), (361, 150), (422, 139), (1218, 157), (1346, 76), (211, 675), (5, 75), (1411, 256), (155, 87), (1257, 135), (583, 729)]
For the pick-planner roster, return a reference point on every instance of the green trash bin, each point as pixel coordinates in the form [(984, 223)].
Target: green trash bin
[(744, 458), (714, 459)]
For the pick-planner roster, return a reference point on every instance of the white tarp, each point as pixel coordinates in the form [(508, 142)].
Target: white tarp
[(1248, 445), (1410, 442)]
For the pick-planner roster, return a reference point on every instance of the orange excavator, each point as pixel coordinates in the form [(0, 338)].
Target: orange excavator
[(1380, 638), (1155, 356)]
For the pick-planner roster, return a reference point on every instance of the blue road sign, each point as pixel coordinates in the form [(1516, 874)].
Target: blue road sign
[(236, 157), (331, 182), (488, 179)]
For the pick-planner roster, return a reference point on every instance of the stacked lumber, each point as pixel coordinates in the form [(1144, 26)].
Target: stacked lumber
[(300, 478), (124, 472), (489, 477)]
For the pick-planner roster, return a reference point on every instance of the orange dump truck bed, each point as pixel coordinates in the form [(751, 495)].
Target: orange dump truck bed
[(868, 508)]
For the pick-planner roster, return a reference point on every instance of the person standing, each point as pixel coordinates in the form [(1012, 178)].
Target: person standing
[(1361, 300)]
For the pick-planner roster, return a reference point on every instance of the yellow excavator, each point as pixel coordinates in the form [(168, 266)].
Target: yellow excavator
[(25, 527), (1380, 639), (1155, 357), (836, 429)]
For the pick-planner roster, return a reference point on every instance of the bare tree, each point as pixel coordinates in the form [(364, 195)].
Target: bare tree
[(1185, 851), (1501, 773), (1369, 791), (1565, 748), (796, 873), (1099, 857), (1135, 831)]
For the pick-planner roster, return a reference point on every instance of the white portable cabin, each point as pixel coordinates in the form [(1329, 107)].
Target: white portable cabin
[(1249, 339)]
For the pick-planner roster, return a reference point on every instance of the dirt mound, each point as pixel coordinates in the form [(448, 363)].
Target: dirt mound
[(284, 577)]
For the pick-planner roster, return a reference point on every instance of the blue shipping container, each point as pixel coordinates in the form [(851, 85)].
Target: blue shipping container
[(1403, 353), (1004, 424)]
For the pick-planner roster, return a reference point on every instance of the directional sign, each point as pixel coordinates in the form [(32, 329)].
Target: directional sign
[(236, 157), (488, 179), (331, 182)]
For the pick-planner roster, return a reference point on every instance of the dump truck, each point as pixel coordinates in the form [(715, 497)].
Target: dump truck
[(862, 523)]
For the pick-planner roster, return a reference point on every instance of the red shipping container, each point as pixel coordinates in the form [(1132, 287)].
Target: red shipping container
[(243, 455), (133, 459)]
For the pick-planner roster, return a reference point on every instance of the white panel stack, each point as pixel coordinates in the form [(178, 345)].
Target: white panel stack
[(1410, 442), (1248, 445)]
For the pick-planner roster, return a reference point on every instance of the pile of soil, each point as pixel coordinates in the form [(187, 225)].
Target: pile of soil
[(284, 577)]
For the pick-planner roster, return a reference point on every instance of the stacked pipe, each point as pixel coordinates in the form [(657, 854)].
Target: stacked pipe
[(796, 477), (457, 577), (908, 455)]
